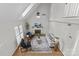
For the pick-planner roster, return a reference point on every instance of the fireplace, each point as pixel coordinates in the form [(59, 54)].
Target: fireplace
[(37, 31)]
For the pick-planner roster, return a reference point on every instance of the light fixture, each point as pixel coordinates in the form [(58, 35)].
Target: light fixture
[(38, 14)]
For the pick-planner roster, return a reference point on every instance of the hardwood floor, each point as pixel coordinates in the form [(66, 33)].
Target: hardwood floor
[(25, 52), (57, 53)]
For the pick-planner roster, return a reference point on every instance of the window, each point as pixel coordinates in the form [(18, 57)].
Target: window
[(19, 33), (18, 39), (16, 30)]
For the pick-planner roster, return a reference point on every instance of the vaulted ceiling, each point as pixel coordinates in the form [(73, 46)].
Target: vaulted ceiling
[(18, 11), (13, 11)]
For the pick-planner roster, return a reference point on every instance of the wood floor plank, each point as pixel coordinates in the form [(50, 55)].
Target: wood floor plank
[(33, 53)]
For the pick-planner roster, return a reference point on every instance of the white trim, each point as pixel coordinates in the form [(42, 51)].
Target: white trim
[(28, 9)]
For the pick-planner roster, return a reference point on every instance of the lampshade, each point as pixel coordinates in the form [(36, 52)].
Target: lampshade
[(37, 16)]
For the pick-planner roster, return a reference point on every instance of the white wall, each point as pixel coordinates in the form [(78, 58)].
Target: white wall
[(43, 9), (7, 39), (9, 18), (63, 31), (59, 27), (57, 10)]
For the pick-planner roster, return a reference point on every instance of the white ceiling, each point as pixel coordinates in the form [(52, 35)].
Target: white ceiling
[(11, 11), (14, 11)]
